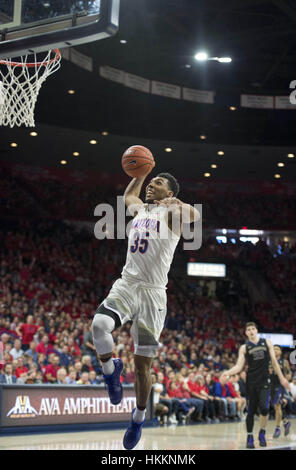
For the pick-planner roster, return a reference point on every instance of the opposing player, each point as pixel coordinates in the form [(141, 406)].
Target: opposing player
[(257, 353), (277, 393), (140, 294)]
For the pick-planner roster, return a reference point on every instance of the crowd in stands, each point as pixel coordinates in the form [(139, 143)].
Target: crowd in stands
[(52, 279), (78, 201)]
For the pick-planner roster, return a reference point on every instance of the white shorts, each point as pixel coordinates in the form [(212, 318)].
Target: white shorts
[(145, 307)]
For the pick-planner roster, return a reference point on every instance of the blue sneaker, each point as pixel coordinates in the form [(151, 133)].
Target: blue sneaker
[(113, 384), (250, 442), (262, 440), (132, 434), (287, 427), (277, 432)]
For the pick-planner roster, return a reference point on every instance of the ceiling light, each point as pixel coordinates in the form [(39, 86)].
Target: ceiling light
[(33, 134), (93, 142), (203, 137), (168, 149), (280, 164), (123, 41), (201, 56), (207, 175), (63, 162), (220, 152), (277, 176), (13, 144), (105, 133), (232, 108), (71, 92), (213, 165), (291, 155), (76, 154), (187, 66), (224, 60)]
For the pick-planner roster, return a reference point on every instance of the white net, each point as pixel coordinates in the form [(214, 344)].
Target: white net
[(20, 83)]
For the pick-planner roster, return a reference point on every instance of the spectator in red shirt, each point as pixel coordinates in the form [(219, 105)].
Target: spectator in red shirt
[(27, 331), (51, 369), (44, 347), (21, 370)]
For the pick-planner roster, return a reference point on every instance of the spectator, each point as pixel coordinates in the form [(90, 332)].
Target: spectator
[(7, 377), (71, 377), (65, 357), (32, 351), (78, 369), (86, 364), (51, 369), (161, 411), (26, 331), (240, 402), (228, 405), (84, 379), (61, 376), (17, 351), (44, 347), (94, 379), (21, 369)]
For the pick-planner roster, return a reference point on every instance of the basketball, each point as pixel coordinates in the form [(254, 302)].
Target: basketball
[(137, 161)]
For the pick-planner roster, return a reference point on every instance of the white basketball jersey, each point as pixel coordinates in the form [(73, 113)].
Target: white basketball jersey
[(151, 247)]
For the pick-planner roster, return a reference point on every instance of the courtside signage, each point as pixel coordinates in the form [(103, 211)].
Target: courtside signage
[(23, 406)]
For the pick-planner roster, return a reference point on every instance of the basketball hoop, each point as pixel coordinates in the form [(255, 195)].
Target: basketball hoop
[(20, 83)]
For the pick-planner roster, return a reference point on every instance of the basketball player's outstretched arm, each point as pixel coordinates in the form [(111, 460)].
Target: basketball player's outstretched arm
[(240, 362), (132, 193), (187, 212), (276, 367)]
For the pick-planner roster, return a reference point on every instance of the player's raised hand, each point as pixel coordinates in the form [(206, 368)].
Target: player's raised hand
[(169, 202)]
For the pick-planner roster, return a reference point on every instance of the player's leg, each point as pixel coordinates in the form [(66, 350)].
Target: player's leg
[(143, 385), (104, 322), (253, 399), (275, 403), (143, 381), (146, 330), (264, 403), (111, 314)]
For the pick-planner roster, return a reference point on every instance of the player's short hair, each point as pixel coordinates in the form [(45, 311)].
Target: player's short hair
[(173, 183), (251, 323), (277, 346)]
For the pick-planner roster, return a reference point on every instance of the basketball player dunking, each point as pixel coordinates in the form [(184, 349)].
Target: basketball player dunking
[(140, 294), (257, 353), (277, 392)]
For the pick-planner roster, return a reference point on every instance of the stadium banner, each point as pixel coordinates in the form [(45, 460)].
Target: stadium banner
[(110, 73), (283, 102), (81, 60), (45, 405), (257, 101), (137, 83), (198, 96), (166, 89)]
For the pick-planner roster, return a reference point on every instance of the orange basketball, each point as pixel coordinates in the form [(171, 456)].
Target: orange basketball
[(137, 161)]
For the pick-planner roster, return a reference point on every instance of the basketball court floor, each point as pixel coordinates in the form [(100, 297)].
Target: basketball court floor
[(230, 436)]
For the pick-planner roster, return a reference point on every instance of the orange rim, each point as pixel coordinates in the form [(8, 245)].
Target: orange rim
[(32, 64)]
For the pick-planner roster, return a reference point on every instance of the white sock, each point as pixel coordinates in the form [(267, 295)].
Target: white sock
[(108, 367), (139, 415)]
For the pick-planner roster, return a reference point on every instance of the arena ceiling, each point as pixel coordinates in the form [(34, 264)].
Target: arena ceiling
[(162, 38)]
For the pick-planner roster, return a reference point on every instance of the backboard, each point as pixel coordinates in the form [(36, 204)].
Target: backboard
[(28, 26)]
